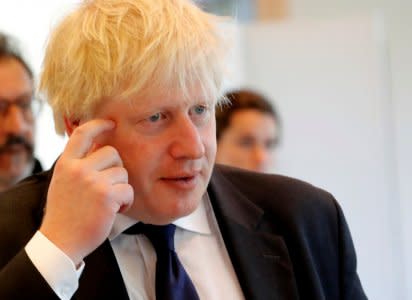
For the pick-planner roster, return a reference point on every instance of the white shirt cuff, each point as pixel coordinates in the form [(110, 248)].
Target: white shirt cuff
[(54, 265)]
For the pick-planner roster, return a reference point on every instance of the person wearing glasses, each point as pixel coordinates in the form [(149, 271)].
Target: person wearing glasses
[(17, 116)]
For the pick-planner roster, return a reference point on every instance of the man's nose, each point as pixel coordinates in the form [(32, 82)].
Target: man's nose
[(261, 157), (14, 121), (187, 140)]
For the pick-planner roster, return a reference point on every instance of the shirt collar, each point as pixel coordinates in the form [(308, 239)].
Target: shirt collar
[(197, 221)]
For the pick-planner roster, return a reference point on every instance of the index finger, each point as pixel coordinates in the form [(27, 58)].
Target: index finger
[(81, 139)]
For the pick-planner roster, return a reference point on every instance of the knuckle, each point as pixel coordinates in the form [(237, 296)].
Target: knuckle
[(124, 174), (125, 191), (129, 192), (78, 171), (79, 131), (112, 150), (103, 192)]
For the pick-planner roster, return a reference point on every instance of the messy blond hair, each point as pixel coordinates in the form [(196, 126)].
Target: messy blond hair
[(118, 48)]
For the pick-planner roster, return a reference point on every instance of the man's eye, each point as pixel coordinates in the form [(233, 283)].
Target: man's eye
[(155, 117), (4, 105), (271, 144), (25, 105), (199, 109), (246, 142), (200, 114)]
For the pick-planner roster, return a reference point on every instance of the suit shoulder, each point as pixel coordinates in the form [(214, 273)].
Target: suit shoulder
[(21, 210), (22, 205), (29, 190), (276, 192)]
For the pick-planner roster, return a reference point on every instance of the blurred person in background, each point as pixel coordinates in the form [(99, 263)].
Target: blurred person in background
[(17, 115), (247, 131)]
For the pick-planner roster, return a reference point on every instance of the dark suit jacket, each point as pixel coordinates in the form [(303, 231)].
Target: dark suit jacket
[(286, 239), (37, 167)]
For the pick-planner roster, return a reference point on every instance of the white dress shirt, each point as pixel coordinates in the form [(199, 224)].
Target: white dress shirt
[(198, 243)]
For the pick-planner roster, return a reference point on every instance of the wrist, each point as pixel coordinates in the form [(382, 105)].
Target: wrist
[(66, 246)]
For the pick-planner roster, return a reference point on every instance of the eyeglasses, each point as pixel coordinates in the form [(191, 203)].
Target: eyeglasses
[(30, 107)]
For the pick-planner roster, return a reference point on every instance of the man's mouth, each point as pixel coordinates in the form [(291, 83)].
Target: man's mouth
[(182, 181), (12, 149), (16, 143), (183, 178)]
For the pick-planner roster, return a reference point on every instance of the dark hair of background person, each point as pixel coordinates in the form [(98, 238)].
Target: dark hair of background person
[(240, 100), (9, 50)]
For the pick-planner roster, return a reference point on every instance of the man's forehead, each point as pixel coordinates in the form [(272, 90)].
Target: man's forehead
[(14, 80), (170, 97)]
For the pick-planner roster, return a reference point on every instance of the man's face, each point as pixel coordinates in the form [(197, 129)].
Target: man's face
[(168, 147), (249, 141), (16, 125)]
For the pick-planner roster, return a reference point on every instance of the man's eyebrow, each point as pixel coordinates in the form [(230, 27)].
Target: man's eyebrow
[(18, 97), (26, 94)]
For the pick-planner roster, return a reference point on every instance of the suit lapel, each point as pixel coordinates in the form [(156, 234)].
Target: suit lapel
[(101, 278), (259, 257)]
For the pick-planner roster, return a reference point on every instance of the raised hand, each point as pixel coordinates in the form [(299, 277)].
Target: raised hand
[(89, 186)]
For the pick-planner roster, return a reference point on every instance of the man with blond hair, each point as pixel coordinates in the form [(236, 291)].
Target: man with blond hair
[(134, 207)]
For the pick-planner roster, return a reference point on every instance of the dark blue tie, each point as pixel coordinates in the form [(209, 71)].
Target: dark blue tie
[(172, 281)]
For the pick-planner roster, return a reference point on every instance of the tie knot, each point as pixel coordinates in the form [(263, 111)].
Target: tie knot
[(172, 281), (161, 236)]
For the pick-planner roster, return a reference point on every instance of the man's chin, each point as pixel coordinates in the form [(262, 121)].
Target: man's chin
[(15, 165), (8, 179), (22, 158)]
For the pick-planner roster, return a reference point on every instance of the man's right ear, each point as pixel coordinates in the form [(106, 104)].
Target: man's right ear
[(70, 125)]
